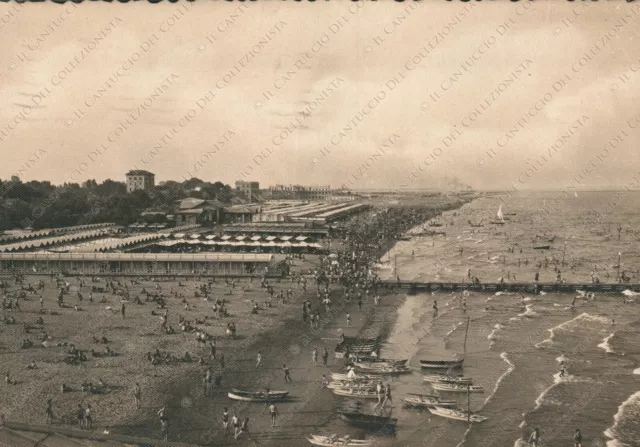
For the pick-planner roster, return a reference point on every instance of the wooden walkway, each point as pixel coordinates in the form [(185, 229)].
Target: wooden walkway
[(415, 287)]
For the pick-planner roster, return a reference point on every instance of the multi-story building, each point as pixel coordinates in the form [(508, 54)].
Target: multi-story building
[(248, 189), (300, 192), (139, 179)]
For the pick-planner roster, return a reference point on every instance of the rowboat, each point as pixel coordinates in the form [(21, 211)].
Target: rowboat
[(459, 415), (442, 364), (422, 401), (336, 385), (334, 440), (369, 420), (542, 247), (389, 371), (378, 363), (356, 393), (436, 378), (358, 378), (257, 396), (457, 388)]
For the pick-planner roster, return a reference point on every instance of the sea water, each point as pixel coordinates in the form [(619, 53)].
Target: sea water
[(515, 342)]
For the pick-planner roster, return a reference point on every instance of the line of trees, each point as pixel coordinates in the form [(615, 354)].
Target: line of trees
[(40, 204)]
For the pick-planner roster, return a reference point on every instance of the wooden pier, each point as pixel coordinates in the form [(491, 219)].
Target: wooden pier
[(535, 288)]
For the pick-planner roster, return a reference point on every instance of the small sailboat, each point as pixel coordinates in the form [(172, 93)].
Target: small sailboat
[(500, 215)]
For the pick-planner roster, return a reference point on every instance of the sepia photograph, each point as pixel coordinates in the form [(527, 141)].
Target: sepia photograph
[(320, 223)]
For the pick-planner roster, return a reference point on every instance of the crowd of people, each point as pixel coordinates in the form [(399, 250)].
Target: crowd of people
[(340, 279)]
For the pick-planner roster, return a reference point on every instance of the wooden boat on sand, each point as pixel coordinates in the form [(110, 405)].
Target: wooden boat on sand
[(425, 401), (357, 378), (441, 364), (344, 384), (388, 371), (356, 393), (459, 415), (373, 362), (457, 388), (257, 396), (334, 440), (436, 378)]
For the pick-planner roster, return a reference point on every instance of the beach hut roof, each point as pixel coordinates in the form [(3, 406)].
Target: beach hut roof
[(226, 237), (256, 238)]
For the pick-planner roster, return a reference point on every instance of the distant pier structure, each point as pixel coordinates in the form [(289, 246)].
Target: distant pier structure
[(417, 287)]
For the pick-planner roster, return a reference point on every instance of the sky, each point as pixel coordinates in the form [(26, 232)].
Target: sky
[(493, 95)]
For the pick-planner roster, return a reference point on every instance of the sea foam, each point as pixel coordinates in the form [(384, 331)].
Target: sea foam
[(529, 312), (632, 406), (605, 344), (567, 324), (510, 368)]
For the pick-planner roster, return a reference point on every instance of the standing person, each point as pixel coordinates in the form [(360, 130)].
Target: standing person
[(225, 421), (348, 320), (380, 394), (222, 361), (534, 439), (387, 396), (137, 393), (360, 304), (123, 310), (287, 375), (244, 427), (88, 421), (273, 411), (258, 359), (212, 350), (577, 438), (325, 356), (314, 356), (236, 425), (435, 308), (164, 429), (49, 411), (80, 415)]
